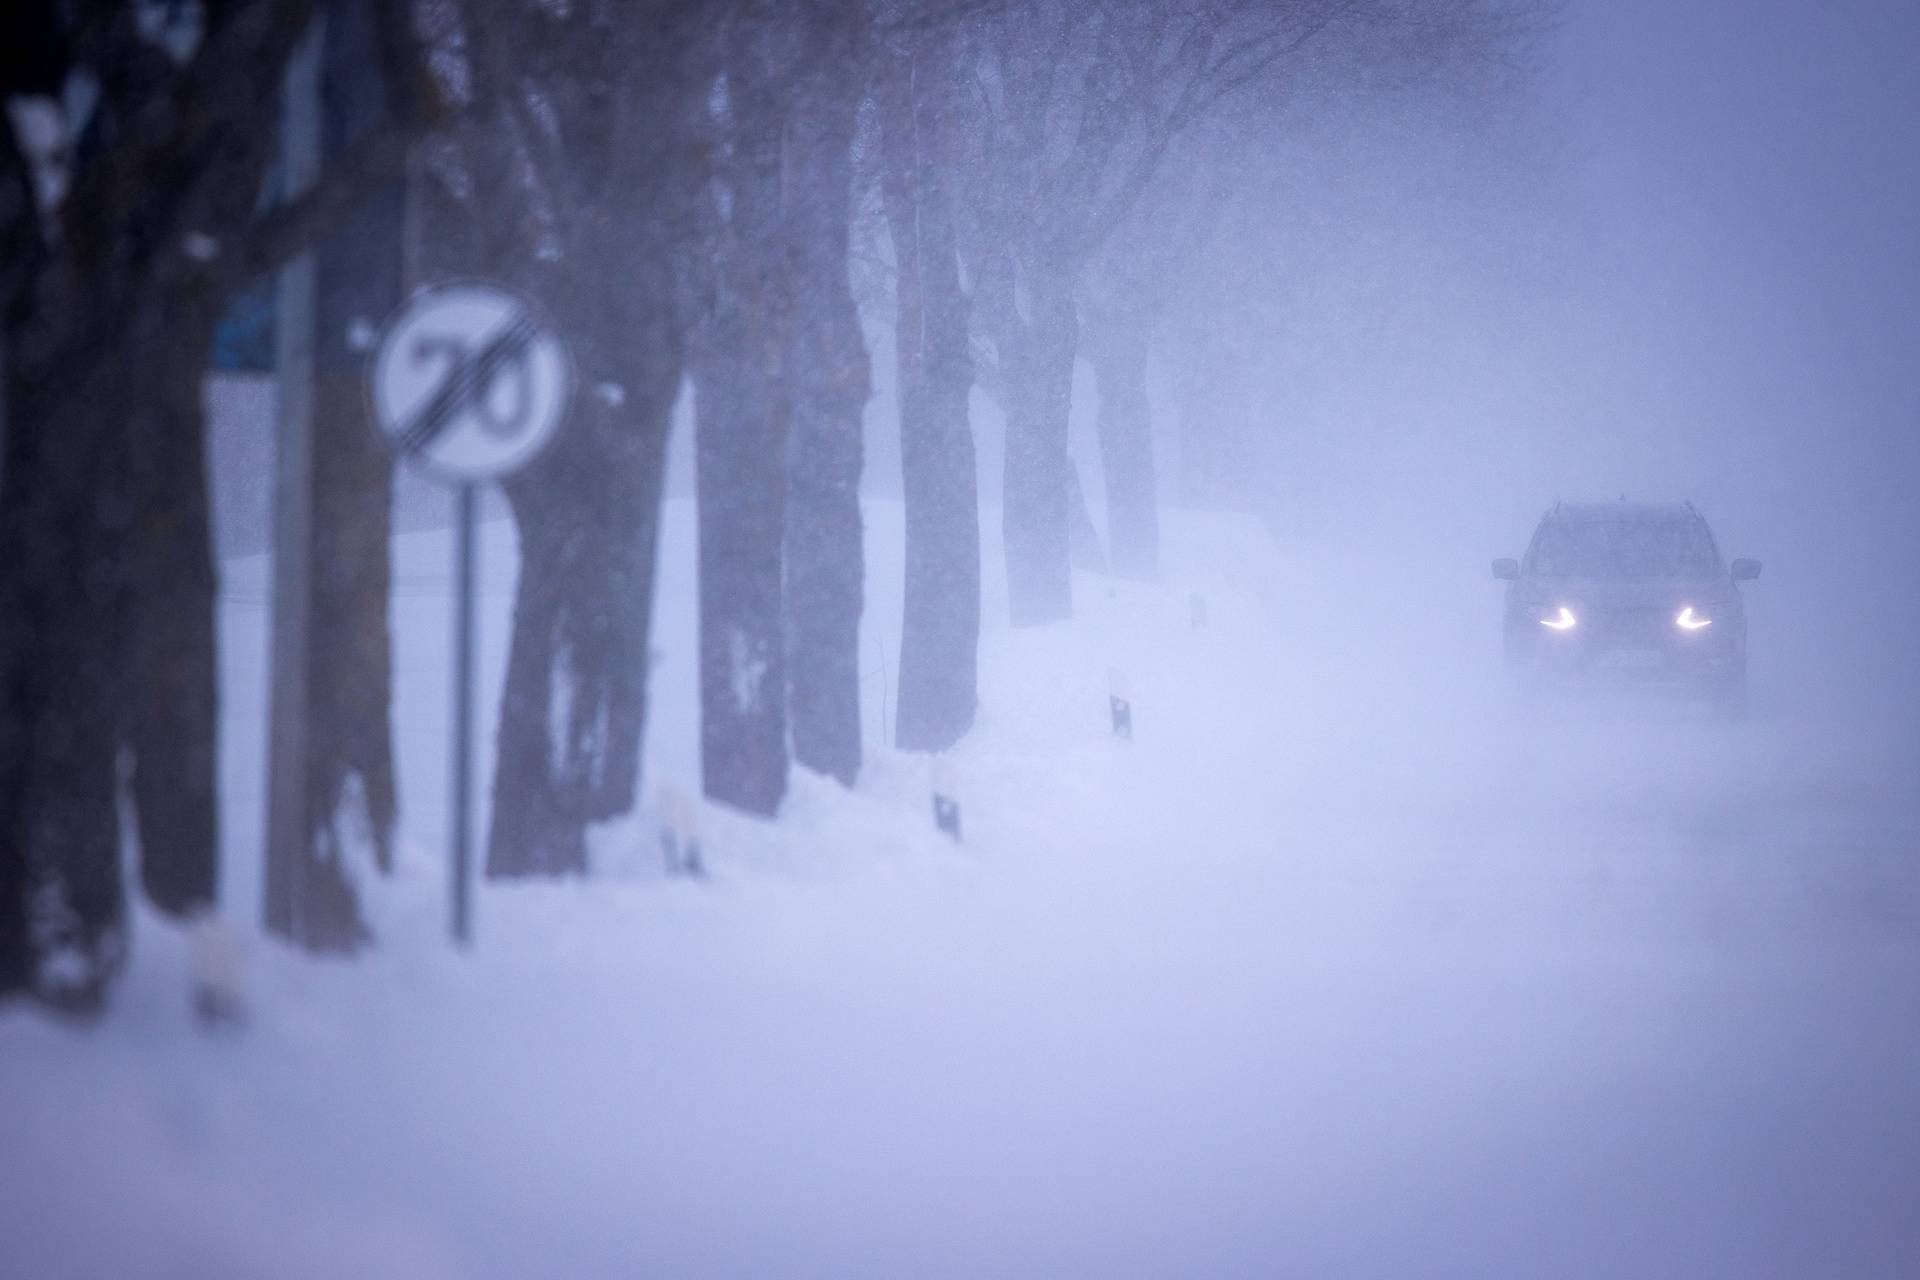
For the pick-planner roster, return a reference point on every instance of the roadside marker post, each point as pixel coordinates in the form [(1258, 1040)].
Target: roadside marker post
[(469, 384), (680, 835), (217, 964), (946, 806), (1120, 704)]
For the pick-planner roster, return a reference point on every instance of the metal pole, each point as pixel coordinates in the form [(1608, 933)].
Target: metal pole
[(463, 563), (290, 688)]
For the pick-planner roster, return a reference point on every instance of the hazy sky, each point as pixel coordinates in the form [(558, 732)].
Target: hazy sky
[(1754, 172)]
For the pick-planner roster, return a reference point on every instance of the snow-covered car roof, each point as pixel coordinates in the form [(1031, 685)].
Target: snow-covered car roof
[(1619, 512)]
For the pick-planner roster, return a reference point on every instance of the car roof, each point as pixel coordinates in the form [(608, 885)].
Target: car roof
[(1621, 512)]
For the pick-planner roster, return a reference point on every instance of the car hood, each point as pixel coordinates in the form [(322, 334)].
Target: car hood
[(1614, 594)]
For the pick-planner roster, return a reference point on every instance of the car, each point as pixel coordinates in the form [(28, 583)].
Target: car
[(1628, 593)]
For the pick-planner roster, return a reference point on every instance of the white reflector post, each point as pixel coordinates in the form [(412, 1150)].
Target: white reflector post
[(1120, 703), (946, 801), (680, 833)]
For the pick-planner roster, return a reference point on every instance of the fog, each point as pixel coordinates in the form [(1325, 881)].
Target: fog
[(1363, 951), (1684, 270)]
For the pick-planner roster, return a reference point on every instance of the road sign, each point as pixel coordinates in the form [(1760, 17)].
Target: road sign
[(470, 382)]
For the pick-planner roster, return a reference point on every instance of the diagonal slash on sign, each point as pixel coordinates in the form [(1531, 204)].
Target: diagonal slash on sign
[(470, 379)]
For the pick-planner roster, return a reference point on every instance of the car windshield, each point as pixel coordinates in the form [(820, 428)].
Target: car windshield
[(1621, 549)]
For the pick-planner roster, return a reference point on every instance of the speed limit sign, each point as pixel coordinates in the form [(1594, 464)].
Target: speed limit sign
[(470, 382)]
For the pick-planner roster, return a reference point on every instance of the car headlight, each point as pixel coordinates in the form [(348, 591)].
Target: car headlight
[(1690, 621), (1561, 621)]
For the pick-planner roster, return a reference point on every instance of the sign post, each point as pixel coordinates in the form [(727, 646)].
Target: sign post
[(469, 384), (462, 789), (289, 692)]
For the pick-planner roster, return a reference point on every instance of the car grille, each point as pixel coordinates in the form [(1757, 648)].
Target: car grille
[(1634, 628)]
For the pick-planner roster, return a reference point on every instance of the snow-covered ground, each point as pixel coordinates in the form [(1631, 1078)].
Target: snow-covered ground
[(1345, 966)]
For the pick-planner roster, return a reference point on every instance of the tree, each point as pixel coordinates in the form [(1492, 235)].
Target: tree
[(781, 376), (917, 86), (359, 271), (1067, 121), (743, 420), (1074, 106), (572, 183), (829, 370), (106, 593), (1123, 295), (115, 276)]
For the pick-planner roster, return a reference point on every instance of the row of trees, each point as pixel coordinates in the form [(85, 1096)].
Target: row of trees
[(130, 212), (676, 181)]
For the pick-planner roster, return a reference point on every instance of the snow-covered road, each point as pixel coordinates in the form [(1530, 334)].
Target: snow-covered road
[(1345, 966)]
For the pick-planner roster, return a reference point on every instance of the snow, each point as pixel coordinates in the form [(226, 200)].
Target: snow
[(1343, 966)]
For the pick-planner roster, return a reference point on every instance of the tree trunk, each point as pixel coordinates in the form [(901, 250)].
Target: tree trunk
[(107, 605), (1117, 347), (743, 420), (360, 281), (940, 625), (574, 704), (61, 930), (351, 794), (172, 700), (828, 365), (593, 236), (740, 439), (63, 518), (1037, 369)]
